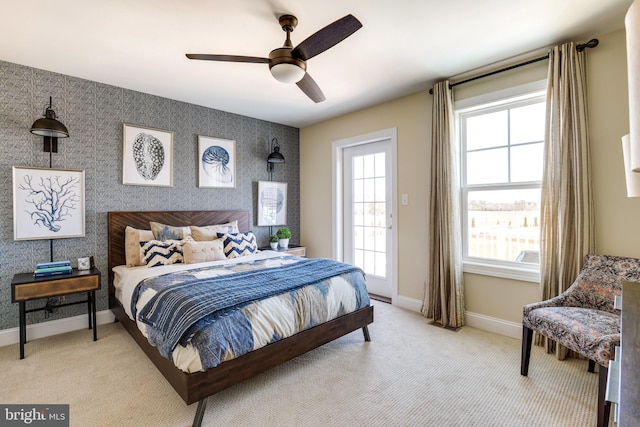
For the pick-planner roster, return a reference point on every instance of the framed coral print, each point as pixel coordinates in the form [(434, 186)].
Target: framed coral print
[(272, 203), (216, 162), (47, 203), (147, 156)]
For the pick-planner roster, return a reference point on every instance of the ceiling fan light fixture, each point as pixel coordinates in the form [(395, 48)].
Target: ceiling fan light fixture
[(287, 73), (287, 63)]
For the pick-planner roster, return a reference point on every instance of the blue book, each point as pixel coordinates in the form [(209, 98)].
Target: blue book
[(53, 264), (52, 273)]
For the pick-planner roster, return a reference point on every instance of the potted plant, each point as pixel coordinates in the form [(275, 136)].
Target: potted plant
[(273, 241), (284, 234)]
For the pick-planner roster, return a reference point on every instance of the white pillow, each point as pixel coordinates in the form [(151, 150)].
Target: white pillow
[(210, 232), (169, 232), (132, 239), (210, 250)]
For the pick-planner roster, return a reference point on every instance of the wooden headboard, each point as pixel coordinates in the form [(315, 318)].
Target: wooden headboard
[(118, 221)]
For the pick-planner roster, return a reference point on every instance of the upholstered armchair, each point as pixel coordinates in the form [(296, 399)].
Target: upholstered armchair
[(583, 318)]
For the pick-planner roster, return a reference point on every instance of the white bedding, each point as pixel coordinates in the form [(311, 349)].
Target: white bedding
[(126, 278), (268, 317)]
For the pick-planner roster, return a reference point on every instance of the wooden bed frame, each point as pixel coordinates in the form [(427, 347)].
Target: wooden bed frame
[(196, 387)]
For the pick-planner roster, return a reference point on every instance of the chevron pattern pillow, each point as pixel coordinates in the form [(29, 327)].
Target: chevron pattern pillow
[(238, 244), (157, 252)]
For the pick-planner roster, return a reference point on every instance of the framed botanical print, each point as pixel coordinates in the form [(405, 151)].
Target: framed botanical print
[(272, 203), (216, 162), (47, 203), (147, 156)]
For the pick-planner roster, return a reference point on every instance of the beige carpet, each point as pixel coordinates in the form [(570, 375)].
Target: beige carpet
[(411, 374)]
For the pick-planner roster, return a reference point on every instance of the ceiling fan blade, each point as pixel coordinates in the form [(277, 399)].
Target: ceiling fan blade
[(228, 58), (327, 37), (311, 88)]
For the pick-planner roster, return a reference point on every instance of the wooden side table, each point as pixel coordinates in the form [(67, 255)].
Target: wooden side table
[(25, 287), (291, 250)]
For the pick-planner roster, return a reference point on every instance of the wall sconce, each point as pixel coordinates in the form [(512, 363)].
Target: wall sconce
[(51, 129), (274, 157)]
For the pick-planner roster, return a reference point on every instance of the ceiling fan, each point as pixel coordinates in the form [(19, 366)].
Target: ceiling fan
[(287, 63)]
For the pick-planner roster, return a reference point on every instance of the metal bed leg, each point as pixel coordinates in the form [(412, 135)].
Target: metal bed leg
[(202, 406), (365, 331)]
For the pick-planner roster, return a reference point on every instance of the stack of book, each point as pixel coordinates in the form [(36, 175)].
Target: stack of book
[(46, 269)]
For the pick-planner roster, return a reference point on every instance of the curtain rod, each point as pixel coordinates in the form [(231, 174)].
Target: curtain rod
[(590, 44)]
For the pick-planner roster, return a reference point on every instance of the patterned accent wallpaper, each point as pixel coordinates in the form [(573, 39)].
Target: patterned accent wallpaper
[(94, 113)]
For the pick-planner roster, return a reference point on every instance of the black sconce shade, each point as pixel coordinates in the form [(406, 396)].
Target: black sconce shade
[(49, 127), (275, 156)]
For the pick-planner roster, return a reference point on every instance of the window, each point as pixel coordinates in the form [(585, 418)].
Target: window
[(502, 157)]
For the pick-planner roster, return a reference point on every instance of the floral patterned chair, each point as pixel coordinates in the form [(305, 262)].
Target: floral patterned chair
[(583, 319)]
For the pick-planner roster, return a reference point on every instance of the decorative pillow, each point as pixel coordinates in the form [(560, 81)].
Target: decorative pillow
[(169, 232), (157, 252), (210, 232), (132, 239), (210, 250), (239, 244)]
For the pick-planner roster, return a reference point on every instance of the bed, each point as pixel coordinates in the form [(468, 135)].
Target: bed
[(198, 386)]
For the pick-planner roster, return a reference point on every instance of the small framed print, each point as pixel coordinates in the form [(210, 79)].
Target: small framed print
[(47, 203), (272, 203), (147, 156), (84, 263), (216, 162)]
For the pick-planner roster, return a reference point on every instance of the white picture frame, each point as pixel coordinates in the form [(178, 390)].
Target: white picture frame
[(216, 162), (272, 203), (48, 203), (147, 156)]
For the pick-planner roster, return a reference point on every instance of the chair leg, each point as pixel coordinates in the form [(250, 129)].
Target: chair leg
[(604, 406), (592, 366), (527, 339)]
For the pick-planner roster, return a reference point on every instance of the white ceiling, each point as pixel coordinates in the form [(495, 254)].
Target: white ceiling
[(403, 47)]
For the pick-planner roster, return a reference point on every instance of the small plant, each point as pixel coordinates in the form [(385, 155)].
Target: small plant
[(273, 238), (283, 233)]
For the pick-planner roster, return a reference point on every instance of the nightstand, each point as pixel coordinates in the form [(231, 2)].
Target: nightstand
[(291, 250), (25, 287)]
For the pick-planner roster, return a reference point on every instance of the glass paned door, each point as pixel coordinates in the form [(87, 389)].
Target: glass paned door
[(367, 217)]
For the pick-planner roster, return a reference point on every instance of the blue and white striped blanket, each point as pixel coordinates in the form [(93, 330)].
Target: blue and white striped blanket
[(220, 314)]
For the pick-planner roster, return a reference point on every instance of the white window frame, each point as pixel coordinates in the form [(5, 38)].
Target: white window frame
[(491, 267)]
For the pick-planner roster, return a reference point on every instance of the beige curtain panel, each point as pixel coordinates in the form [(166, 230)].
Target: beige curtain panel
[(567, 225), (444, 295)]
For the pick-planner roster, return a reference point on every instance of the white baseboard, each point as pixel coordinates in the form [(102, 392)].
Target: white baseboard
[(475, 320), (407, 303), (493, 324), (54, 327)]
